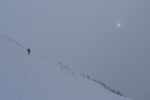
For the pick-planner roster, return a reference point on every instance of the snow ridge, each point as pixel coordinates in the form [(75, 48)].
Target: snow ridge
[(61, 66)]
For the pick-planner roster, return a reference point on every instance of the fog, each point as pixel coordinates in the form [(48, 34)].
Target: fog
[(108, 40)]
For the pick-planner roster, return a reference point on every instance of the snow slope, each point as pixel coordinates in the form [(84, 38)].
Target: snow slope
[(35, 77)]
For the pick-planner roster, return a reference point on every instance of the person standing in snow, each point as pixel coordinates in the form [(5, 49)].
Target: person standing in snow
[(29, 51)]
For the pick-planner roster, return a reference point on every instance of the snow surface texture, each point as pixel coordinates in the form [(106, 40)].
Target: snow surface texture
[(36, 77)]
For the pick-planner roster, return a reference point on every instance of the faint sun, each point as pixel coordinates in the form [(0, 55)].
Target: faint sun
[(118, 25)]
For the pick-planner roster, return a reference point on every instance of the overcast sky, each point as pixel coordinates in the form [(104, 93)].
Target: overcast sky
[(107, 39)]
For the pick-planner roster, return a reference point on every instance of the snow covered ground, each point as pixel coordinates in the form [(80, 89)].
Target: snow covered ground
[(35, 77)]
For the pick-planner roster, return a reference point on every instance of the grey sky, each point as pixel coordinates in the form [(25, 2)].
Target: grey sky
[(83, 34)]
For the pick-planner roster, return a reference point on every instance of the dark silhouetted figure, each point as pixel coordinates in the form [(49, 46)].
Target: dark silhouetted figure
[(29, 51)]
